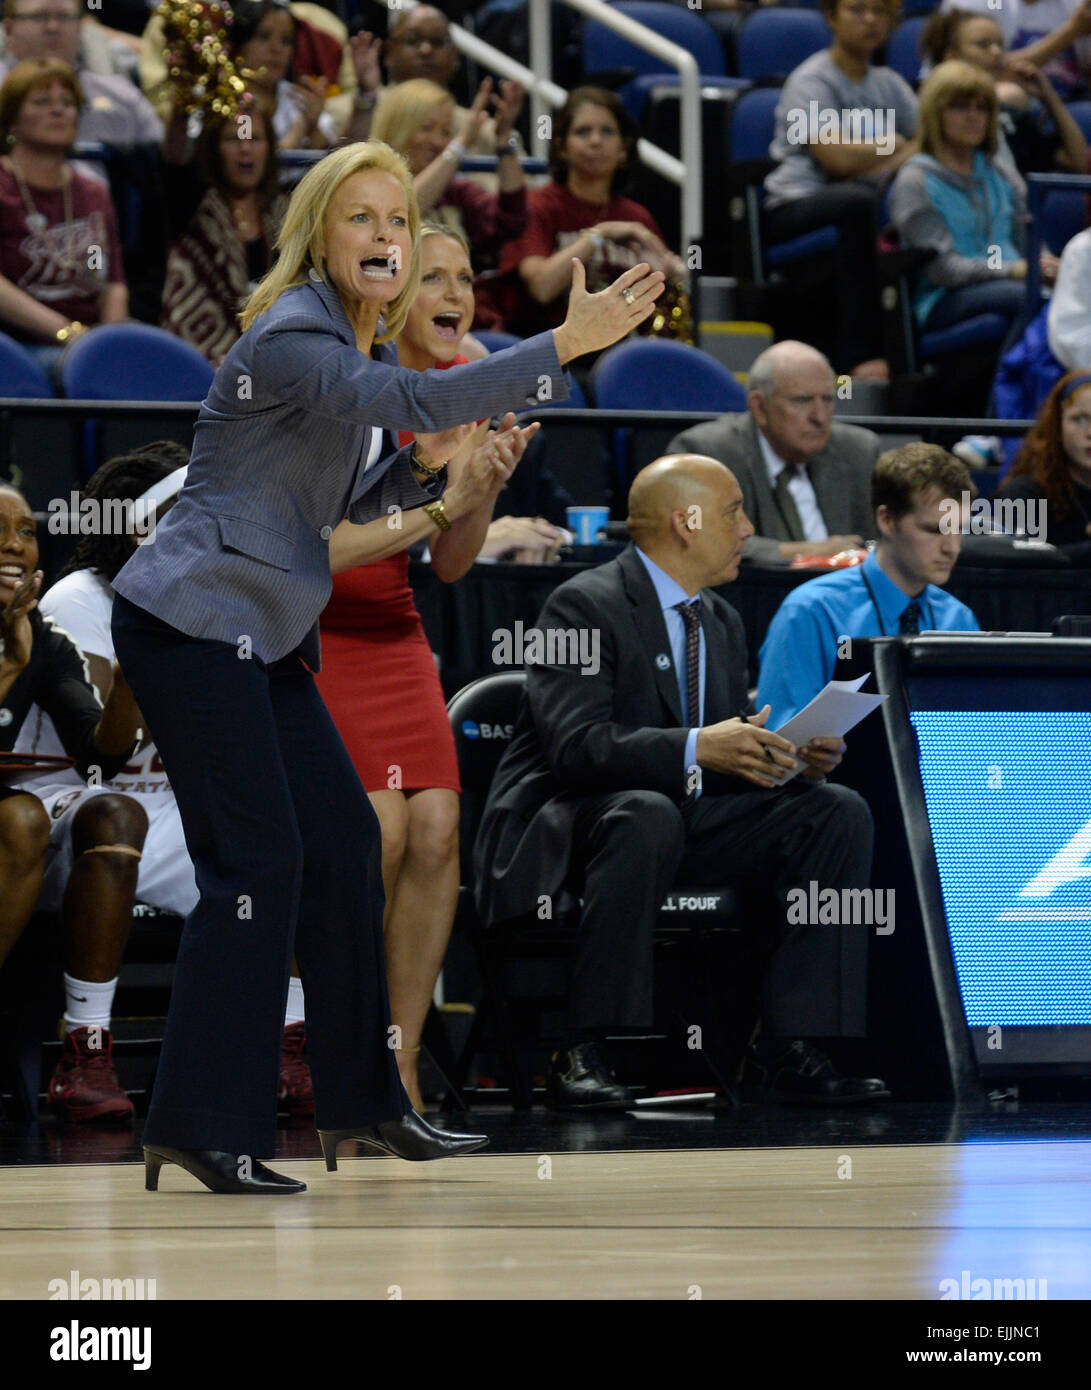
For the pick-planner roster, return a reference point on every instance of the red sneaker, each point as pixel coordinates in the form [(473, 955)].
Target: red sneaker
[(85, 1086), (296, 1094)]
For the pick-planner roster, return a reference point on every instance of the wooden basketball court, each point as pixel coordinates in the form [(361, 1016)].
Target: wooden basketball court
[(857, 1222)]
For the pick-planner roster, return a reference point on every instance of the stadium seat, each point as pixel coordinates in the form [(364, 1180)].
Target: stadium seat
[(135, 362), (1080, 111), (772, 43), (696, 916), (644, 374), (903, 49), (1063, 214), (495, 340), (605, 51), (752, 127), (20, 374)]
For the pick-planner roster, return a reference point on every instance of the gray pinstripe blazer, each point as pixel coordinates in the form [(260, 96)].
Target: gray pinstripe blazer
[(279, 458)]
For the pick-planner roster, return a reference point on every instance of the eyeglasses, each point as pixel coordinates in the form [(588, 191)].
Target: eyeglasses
[(419, 40), (969, 106), (47, 17), (867, 11)]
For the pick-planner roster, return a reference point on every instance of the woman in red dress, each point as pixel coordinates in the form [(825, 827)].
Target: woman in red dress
[(379, 678)]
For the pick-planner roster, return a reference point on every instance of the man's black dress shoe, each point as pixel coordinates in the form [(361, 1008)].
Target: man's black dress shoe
[(220, 1172), (802, 1073), (580, 1079), (410, 1137)]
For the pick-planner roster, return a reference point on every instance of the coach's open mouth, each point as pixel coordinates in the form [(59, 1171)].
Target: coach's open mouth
[(380, 267)]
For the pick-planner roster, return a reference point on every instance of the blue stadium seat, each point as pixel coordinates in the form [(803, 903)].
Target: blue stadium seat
[(1063, 214), (135, 362), (772, 43), (1080, 111), (635, 94), (645, 374), (20, 374), (752, 126), (605, 51), (496, 341), (903, 49)]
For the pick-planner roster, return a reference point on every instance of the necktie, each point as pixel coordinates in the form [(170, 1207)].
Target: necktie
[(786, 503), (910, 621), (691, 616)]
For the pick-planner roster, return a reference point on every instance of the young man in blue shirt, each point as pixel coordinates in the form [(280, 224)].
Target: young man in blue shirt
[(921, 496)]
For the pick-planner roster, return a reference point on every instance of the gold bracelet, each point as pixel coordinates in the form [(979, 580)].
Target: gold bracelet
[(438, 512), (70, 330)]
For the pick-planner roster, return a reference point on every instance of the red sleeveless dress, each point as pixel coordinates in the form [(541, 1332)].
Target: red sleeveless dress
[(379, 678)]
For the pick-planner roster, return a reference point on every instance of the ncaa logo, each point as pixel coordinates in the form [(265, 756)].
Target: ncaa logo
[(471, 729)]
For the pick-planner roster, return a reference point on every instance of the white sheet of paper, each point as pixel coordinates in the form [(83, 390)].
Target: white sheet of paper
[(836, 709)]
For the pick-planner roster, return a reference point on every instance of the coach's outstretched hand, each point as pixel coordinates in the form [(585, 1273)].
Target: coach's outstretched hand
[(594, 321)]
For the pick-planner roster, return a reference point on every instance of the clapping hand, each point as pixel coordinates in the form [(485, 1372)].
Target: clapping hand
[(15, 632)]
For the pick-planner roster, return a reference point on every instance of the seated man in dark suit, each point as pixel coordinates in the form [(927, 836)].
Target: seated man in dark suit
[(631, 769), (804, 478)]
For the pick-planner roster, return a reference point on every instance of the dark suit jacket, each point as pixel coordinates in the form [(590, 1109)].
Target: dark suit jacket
[(578, 735), (840, 474)]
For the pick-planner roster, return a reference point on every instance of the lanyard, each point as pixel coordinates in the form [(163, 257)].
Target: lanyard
[(875, 605)]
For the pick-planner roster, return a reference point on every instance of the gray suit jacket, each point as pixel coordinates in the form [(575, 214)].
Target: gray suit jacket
[(279, 454), (840, 475)]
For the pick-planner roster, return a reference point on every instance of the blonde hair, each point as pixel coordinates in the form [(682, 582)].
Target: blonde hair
[(302, 239), (944, 84), (452, 233), (405, 108)]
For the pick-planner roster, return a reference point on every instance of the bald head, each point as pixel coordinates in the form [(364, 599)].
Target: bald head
[(418, 44), (686, 515), (673, 483), (790, 393), (776, 367)]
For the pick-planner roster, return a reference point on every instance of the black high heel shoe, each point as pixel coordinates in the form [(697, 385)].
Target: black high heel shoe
[(218, 1171), (411, 1137)]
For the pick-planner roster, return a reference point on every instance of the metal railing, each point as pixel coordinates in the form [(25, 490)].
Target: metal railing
[(542, 88)]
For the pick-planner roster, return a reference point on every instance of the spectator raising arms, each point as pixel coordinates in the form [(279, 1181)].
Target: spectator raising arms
[(1039, 136), (417, 119), (958, 199), (225, 208), (1054, 466), (60, 256), (582, 214), (830, 175)]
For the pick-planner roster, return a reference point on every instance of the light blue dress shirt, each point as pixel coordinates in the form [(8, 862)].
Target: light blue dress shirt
[(800, 649), (669, 592)]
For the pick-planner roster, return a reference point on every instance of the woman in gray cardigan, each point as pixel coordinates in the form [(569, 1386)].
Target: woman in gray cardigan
[(216, 626)]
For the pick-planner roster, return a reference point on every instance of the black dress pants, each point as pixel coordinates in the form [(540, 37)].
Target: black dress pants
[(286, 851), (636, 845)]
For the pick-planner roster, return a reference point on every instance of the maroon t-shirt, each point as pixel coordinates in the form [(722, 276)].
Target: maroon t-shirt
[(555, 219), (65, 269)]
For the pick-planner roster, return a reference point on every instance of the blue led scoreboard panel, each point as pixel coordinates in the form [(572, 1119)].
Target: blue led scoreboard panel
[(1005, 767)]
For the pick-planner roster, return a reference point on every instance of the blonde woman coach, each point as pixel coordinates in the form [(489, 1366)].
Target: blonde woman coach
[(216, 626)]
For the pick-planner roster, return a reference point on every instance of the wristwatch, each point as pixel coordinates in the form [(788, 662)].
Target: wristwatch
[(438, 513), (510, 146)]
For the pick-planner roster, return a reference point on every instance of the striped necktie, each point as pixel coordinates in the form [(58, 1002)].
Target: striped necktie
[(691, 616)]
